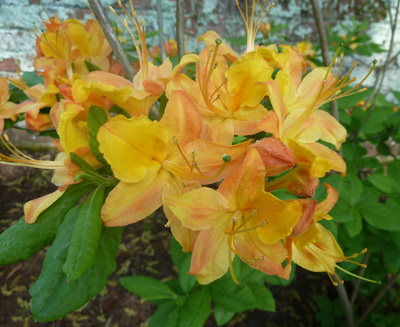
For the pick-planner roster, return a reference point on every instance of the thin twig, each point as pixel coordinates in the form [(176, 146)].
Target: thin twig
[(382, 77), (344, 300), (101, 17), (161, 28), (324, 47), (377, 298), (358, 281), (180, 29)]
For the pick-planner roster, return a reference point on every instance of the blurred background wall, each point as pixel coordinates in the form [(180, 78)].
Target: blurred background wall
[(293, 19)]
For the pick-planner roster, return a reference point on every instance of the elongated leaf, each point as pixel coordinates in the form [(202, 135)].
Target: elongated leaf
[(147, 288), (91, 67), (161, 315), (52, 296), (226, 293), (85, 237), (221, 315), (185, 280), (96, 117), (378, 214), (83, 164), (196, 309), (383, 183), (264, 298), (21, 241)]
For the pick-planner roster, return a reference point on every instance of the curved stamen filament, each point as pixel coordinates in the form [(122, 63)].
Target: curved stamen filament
[(251, 26), (22, 159), (357, 276), (139, 27)]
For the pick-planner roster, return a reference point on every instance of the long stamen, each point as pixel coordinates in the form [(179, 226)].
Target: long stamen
[(139, 27), (235, 280), (251, 26), (22, 159), (181, 152), (357, 276)]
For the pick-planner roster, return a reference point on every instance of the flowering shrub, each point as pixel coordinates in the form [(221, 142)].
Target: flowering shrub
[(234, 158)]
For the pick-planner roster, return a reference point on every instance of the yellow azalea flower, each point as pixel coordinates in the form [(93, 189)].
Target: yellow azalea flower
[(155, 159), (306, 50), (239, 218), (7, 109), (137, 96), (65, 46), (313, 159), (228, 98), (41, 96)]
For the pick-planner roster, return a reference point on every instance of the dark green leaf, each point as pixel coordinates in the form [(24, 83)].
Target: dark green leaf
[(85, 237), (91, 67), (377, 214), (163, 104), (83, 164), (354, 227), (383, 183), (147, 288), (185, 280), (226, 293), (178, 257), (52, 296), (161, 315), (352, 190), (31, 78), (196, 309), (394, 171), (222, 316), (96, 117), (21, 241), (264, 298)]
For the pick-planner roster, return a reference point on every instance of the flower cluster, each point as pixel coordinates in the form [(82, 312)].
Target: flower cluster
[(250, 122), (65, 52)]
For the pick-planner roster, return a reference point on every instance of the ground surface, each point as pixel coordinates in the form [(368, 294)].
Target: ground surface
[(144, 251)]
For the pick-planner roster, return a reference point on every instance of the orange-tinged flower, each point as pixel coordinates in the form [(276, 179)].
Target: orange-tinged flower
[(7, 109), (137, 96), (306, 50), (239, 218), (151, 159), (228, 98)]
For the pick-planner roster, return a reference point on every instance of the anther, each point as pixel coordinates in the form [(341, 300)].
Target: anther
[(226, 158)]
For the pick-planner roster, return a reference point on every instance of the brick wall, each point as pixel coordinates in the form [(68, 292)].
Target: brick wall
[(17, 17)]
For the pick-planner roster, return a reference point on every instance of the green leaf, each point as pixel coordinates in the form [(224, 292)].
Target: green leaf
[(185, 280), (52, 296), (173, 318), (226, 293), (394, 171), (96, 117), (222, 316), (91, 67), (161, 315), (383, 183), (196, 309), (177, 255), (21, 241), (264, 298), (31, 78), (163, 103), (85, 237), (352, 190), (354, 227), (83, 164), (147, 288), (377, 214)]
